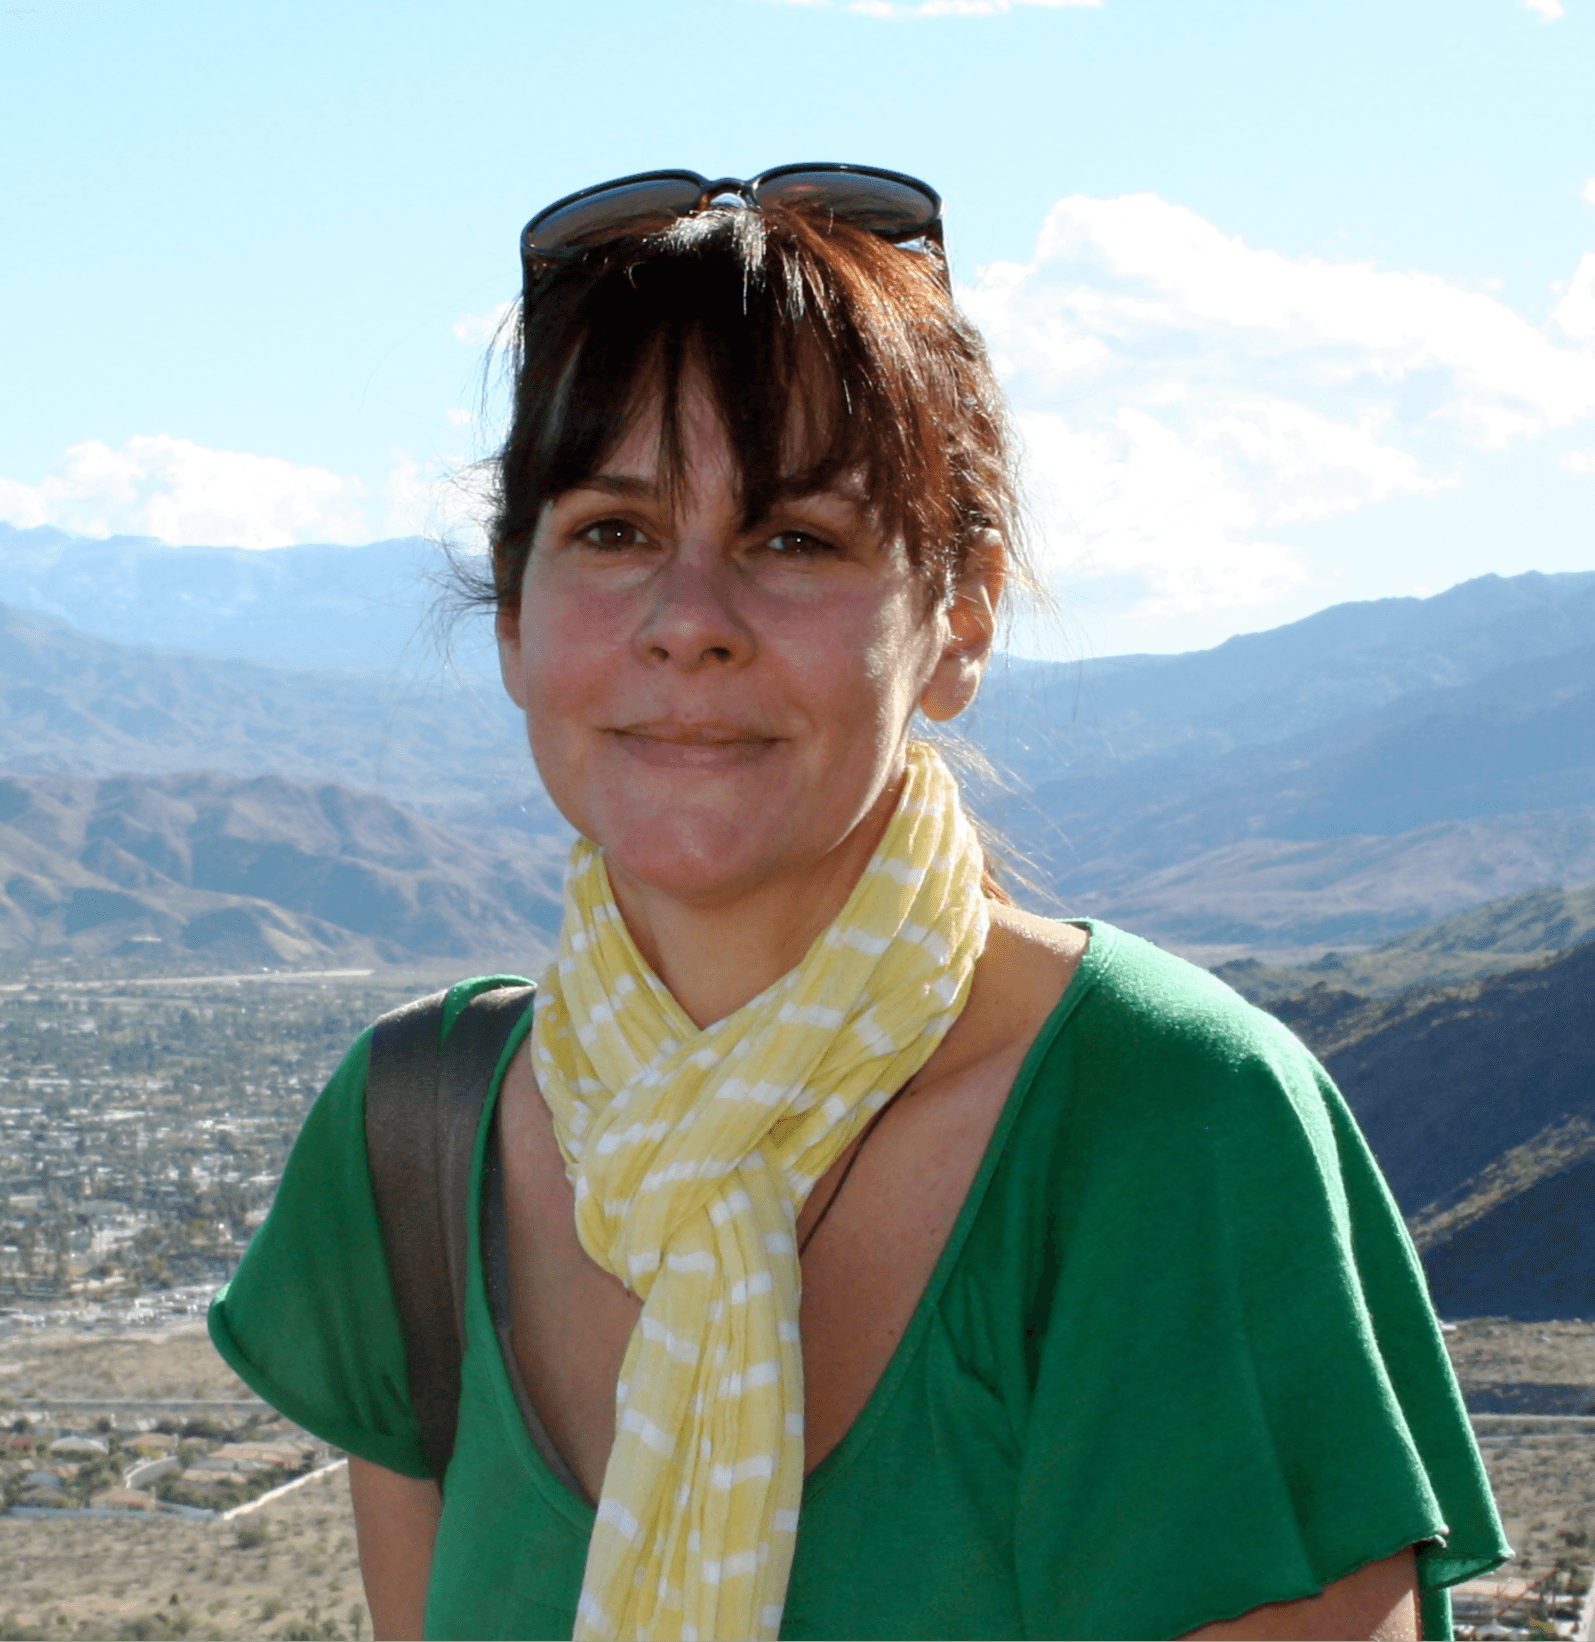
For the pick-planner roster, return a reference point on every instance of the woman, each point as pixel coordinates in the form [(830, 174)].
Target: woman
[(1111, 1329)]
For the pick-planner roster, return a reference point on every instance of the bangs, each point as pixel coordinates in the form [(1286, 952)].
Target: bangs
[(828, 355)]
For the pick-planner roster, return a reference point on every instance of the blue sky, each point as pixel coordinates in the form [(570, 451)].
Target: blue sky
[(1295, 299)]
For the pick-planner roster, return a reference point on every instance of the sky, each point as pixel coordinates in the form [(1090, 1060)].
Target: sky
[(1294, 300)]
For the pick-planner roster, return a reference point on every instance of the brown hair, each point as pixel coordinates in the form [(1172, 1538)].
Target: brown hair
[(825, 350)]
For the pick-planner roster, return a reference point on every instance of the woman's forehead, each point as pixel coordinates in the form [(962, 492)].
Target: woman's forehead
[(643, 459)]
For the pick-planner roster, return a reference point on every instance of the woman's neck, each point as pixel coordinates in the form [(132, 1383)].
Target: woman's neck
[(716, 957)]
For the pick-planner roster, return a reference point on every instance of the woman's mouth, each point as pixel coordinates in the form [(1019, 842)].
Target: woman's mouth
[(694, 746)]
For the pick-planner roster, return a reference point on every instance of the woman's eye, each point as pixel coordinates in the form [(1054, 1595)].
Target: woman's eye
[(799, 544), (613, 533)]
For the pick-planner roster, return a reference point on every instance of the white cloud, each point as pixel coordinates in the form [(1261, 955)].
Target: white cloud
[(478, 330), (188, 495), (1579, 461), (1547, 10), (1186, 398), (447, 501), (1575, 313), (156, 485)]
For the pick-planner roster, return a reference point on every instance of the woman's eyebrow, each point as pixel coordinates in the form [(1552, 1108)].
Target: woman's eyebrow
[(618, 484), (794, 490)]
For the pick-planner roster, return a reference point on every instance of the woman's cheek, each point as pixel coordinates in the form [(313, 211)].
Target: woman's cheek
[(570, 646)]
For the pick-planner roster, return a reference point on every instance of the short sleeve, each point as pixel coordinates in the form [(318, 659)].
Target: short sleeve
[(309, 1320), (1241, 1393)]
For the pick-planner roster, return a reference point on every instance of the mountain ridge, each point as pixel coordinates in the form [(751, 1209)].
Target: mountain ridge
[(263, 870), (1507, 933), (74, 704), (1338, 663), (1369, 769), (1479, 1103), (318, 605)]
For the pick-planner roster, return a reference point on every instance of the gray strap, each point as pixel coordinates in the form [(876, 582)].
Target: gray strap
[(424, 1098)]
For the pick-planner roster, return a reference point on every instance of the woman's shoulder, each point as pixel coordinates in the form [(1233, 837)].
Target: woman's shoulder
[(1053, 969), (1161, 1003), (457, 996), (309, 1318), (1145, 1037)]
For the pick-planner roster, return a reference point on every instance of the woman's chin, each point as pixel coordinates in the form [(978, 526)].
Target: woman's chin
[(710, 839), (698, 867)]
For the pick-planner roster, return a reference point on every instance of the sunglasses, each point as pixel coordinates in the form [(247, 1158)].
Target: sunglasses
[(896, 207)]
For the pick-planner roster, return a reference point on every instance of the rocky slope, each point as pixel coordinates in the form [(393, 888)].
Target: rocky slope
[(1486, 939), (264, 871), (1479, 1102)]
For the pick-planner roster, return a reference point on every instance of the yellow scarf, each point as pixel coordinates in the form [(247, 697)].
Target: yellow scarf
[(692, 1153)]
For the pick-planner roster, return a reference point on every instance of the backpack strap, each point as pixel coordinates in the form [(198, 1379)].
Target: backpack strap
[(424, 1099)]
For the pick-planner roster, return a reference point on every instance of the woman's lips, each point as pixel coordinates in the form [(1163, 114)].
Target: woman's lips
[(693, 748)]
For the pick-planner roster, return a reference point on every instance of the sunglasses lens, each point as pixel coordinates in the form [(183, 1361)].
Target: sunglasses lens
[(630, 208), (881, 205)]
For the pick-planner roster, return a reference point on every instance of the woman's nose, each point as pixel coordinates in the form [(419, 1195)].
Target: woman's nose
[(693, 621)]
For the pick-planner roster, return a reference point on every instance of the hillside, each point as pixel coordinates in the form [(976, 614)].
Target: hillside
[(1445, 1086), (1347, 832), (1479, 1103), (1288, 897), (1346, 667), (320, 605), (1531, 1257), (73, 704), (1477, 1097), (264, 871), (1498, 935), (1334, 782)]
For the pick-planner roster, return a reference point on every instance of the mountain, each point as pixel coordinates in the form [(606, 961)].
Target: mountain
[(1271, 893), (1352, 666), (1445, 1089), (1520, 739), (1479, 1103), (262, 871), (321, 605), (1337, 781), (72, 704), (1346, 666), (1508, 933), (1349, 780), (1530, 1257), (1369, 769)]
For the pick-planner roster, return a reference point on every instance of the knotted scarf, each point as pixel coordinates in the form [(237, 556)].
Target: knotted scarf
[(692, 1153)]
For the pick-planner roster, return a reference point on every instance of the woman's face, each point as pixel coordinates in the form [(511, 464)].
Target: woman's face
[(719, 707)]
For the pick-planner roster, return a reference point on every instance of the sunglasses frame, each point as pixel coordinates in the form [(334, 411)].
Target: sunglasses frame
[(537, 261)]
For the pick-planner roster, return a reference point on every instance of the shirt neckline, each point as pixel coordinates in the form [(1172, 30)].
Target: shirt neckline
[(1093, 962), (1101, 944)]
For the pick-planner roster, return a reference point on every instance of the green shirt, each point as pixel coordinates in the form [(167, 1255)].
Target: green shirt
[(1176, 1360)]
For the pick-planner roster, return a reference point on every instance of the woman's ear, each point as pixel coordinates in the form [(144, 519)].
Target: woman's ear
[(507, 627), (971, 624)]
